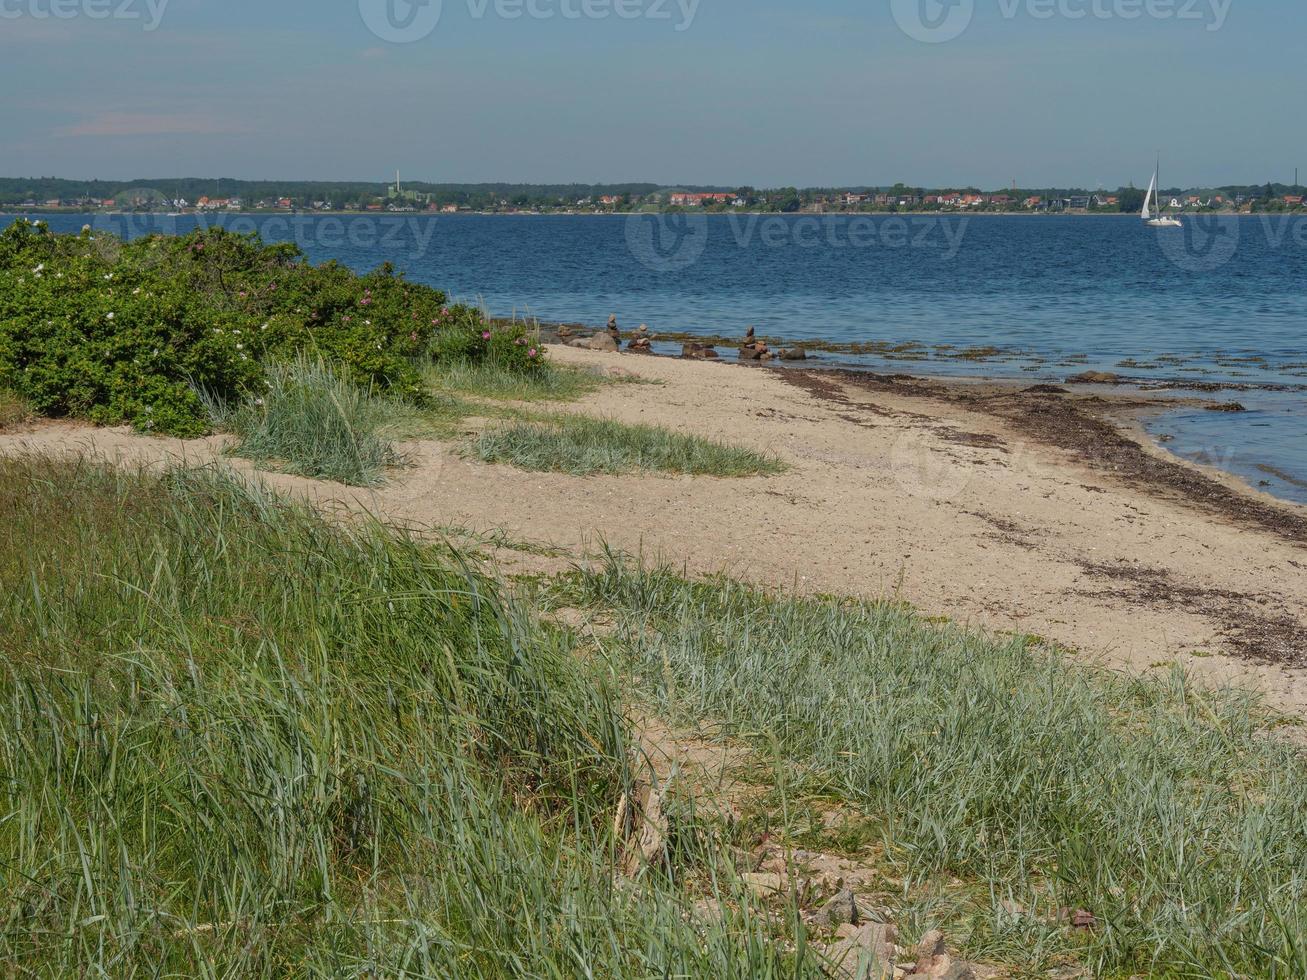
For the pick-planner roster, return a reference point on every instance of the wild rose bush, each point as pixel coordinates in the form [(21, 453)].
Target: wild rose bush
[(129, 332), (467, 336)]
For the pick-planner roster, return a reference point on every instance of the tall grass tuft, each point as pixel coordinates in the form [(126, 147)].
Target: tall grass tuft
[(582, 446), (14, 409), (502, 382), (236, 740), (313, 422), (1166, 810)]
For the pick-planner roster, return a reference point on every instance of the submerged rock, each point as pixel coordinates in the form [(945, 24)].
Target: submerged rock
[(1094, 378), (698, 352)]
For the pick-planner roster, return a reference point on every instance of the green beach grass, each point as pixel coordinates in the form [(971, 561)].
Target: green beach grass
[(14, 409), (237, 740), (584, 446), (311, 421), (498, 382), (1167, 811)]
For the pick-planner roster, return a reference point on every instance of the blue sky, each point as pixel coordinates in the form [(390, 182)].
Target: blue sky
[(762, 92)]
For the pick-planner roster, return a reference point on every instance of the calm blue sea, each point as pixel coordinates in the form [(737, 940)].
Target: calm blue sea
[(1223, 300)]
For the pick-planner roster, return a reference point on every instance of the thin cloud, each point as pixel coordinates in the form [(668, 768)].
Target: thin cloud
[(151, 124)]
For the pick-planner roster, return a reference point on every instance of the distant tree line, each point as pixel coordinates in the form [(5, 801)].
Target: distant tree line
[(345, 195)]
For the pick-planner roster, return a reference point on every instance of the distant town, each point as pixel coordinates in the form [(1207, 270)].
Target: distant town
[(194, 195)]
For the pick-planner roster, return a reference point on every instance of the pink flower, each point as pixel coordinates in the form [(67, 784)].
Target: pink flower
[(485, 335), (532, 352)]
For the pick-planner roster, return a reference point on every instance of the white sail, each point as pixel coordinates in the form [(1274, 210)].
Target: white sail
[(1148, 198)]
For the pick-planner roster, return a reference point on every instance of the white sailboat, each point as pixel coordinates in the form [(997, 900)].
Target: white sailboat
[(1158, 220)]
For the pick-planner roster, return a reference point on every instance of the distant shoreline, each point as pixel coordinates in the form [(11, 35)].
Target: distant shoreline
[(23, 212)]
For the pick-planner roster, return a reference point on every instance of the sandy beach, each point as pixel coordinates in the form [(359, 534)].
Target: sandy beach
[(1032, 510)]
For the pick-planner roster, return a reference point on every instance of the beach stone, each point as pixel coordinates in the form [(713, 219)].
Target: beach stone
[(947, 969), (698, 352), (764, 884), (928, 947), (793, 354), (867, 954), (840, 910), (1094, 378), (582, 342), (1226, 407), (750, 353), (602, 341), (640, 345)]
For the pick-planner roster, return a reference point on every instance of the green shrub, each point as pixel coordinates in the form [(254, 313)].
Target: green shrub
[(313, 422), (116, 332), (467, 336)]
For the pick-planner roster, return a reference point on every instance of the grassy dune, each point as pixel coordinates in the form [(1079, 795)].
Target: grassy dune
[(238, 741), (1163, 809)]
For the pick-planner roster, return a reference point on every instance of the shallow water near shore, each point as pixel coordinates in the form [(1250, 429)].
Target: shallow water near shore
[(1034, 298)]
